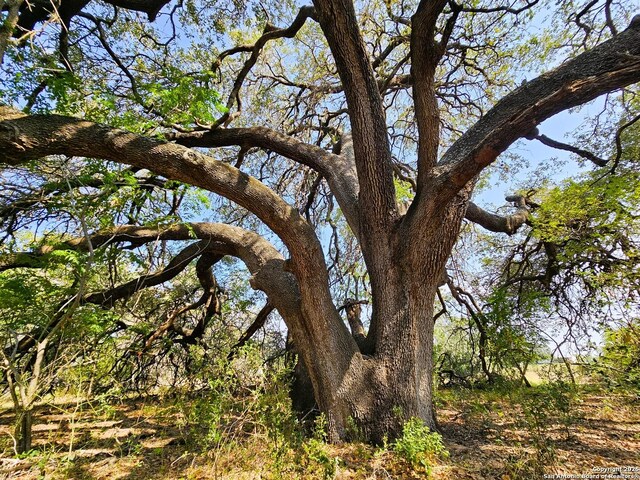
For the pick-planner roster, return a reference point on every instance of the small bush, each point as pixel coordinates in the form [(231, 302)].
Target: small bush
[(230, 411), (318, 460), (418, 445), (619, 363)]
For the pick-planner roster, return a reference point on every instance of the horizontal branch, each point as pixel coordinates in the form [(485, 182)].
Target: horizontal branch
[(264, 262), (503, 9), (24, 137), (549, 142), (497, 223), (339, 170), (37, 11)]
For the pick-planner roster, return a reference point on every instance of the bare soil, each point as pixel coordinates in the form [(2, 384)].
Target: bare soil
[(488, 437)]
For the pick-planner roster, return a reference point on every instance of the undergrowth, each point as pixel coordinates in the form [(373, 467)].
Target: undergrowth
[(242, 425)]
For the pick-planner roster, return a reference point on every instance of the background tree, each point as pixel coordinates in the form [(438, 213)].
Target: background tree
[(388, 86)]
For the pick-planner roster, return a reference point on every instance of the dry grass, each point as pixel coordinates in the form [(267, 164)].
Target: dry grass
[(483, 431)]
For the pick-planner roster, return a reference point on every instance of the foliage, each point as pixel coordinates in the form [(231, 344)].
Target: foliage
[(512, 340), (551, 399), (545, 291), (241, 397), (418, 445), (154, 316), (619, 362), (594, 222), (246, 403)]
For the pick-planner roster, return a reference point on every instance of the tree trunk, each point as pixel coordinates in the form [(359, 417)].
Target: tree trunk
[(392, 381), (24, 422), (380, 391), (377, 394)]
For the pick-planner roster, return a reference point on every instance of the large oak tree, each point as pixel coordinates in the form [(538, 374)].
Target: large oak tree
[(391, 104)]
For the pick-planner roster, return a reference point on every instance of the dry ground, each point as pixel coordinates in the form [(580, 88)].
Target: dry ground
[(494, 440), (486, 433)]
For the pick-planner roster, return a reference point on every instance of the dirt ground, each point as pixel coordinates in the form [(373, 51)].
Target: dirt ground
[(486, 435), (602, 435)]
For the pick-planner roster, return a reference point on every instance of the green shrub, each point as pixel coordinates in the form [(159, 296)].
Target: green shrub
[(619, 362), (232, 408), (543, 407), (418, 445), (316, 455)]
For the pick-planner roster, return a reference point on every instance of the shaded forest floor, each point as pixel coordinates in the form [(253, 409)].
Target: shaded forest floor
[(519, 434)]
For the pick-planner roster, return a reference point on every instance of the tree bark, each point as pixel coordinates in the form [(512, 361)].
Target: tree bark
[(24, 424), (378, 387)]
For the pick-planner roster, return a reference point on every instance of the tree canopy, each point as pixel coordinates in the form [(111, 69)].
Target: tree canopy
[(335, 149)]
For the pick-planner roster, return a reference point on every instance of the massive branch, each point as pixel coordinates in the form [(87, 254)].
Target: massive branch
[(368, 127), (25, 137), (497, 223), (611, 65), (264, 262), (339, 170), (425, 55)]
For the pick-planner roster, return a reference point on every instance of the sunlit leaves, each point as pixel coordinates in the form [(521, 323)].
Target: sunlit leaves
[(595, 221), (619, 364), (186, 99)]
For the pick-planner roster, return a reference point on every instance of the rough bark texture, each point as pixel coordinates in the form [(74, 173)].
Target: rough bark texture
[(378, 382)]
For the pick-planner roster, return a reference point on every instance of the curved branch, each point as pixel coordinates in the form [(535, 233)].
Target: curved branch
[(339, 170), (607, 67), (262, 259), (497, 223), (25, 137), (270, 33), (208, 299), (618, 141), (257, 324), (601, 162)]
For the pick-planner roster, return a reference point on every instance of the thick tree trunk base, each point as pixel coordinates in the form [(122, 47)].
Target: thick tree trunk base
[(374, 407)]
